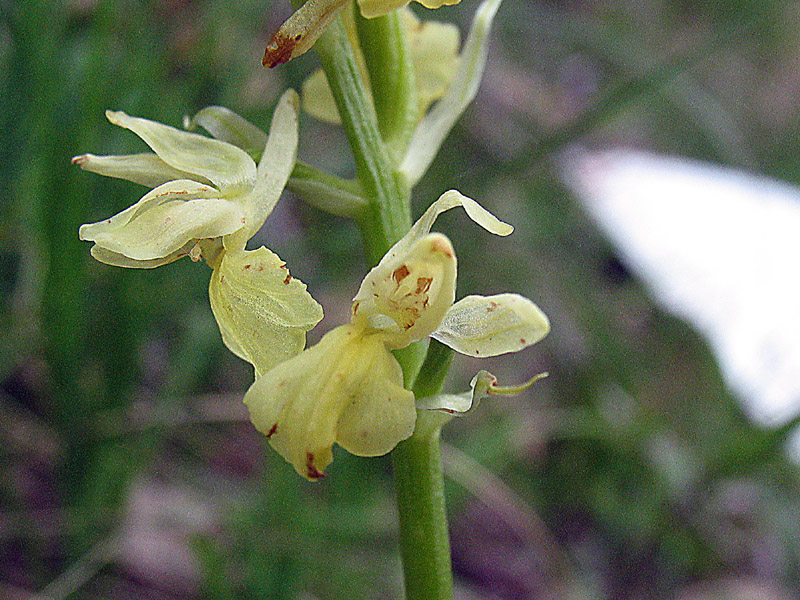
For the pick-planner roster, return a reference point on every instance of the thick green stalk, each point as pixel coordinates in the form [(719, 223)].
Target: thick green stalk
[(424, 538), (389, 213), (425, 544)]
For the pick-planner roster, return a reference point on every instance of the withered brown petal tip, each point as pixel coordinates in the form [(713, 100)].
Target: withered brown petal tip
[(278, 51)]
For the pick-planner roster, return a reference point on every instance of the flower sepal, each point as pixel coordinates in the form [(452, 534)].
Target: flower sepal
[(482, 386)]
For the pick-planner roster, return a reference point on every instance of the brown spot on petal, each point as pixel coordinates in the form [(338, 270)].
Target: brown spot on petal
[(311, 470), (400, 273), (287, 279), (272, 430), (522, 340), (423, 284), (279, 50), (493, 306), (247, 266)]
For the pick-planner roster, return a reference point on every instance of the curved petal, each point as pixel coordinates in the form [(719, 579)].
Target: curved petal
[(448, 200), (225, 165), (164, 221), (120, 260), (299, 404), (277, 161), (488, 326), (406, 298), (145, 168), (225, 125), (483, 385), (182, 189), (263, 312)]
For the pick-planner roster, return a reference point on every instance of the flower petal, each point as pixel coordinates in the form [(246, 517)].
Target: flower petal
[(437, 124), (165, 220), (263, 312), (406, 297), (437, 3), (301, 404), (145, 168), (277, 161), (434, 52), (318, 99), (446, 201), (483, 385), (225, 125), (488, 326), (299, 32), (120, 260), (225, 165)]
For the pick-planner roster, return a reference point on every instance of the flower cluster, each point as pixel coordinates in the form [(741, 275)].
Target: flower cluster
[(348, 389), (208, 198)]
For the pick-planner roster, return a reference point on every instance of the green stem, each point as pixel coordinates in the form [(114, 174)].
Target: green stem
[(389, 213), (425, 544), (424, 538), (391, 75)]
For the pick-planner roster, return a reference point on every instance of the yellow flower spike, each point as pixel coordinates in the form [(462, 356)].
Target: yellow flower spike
[(210, 198), (348, 389)]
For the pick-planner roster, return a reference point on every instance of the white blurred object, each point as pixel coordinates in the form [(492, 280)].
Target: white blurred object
[(717, 247)]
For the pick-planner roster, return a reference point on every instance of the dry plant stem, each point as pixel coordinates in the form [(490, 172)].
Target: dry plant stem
[(425, 543)]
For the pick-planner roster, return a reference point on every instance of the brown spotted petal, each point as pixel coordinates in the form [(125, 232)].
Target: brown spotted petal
[(406, 297)]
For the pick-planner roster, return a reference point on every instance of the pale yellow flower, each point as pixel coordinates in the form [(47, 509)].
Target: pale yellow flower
[(348, 389), (208, 198)]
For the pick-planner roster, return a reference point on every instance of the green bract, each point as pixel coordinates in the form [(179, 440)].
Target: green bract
[(348, 389), (208, 198)]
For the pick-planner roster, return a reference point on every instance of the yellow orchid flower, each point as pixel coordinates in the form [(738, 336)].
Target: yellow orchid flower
[(348, 389), (299, 32), (208, 198), (434, 54)]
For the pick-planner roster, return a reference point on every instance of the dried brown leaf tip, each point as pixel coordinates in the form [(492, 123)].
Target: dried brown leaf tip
[(279, 50)]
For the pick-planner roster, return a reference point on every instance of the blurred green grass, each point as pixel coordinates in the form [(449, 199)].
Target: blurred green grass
[(629, 473)]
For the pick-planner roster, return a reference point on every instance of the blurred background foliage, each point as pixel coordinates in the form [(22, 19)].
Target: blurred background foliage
[(129, 467)]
